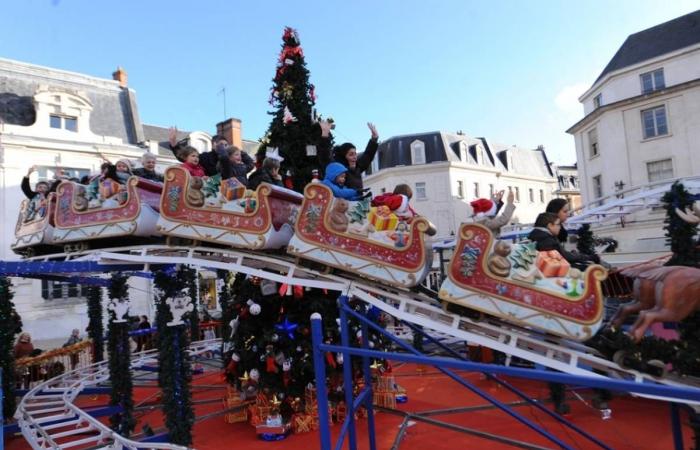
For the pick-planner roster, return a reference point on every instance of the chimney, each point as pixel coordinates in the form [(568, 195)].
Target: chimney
[(120, 76), (231, 130)]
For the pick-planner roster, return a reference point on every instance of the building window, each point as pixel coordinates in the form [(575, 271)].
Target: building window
[(597, 100), (654, 122), (660, 170), (476, 190), (597, 186), (652, 81), (492, 190), (517, 194), (420, 191), (593, 143), (460, 189), (541, 195), (417, 152), (531, 194), (63, 122), (60, 290), (46, 173)]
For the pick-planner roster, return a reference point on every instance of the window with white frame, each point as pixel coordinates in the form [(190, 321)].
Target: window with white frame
[(541, 195), (463, 152), (597, 101), (597, 186), (63, 122), (531, 195), (652, 81), (476, 190), (60, 290), (593, 143), (420, 191), (460, 189), (417, 152), (517, 194), (660, 170), (46, 173), (492, 190), (654, 122)]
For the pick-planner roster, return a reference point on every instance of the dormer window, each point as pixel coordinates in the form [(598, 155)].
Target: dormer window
[(417, 152), (63, 122), (463, 152), (597, 101)]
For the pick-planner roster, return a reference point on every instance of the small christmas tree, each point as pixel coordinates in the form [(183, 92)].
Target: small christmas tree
[(524, 256), (586, 242), (680, 235), (359, 211), (10, 326), (293, 130)]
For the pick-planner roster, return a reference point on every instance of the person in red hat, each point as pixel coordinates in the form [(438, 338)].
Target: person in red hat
[(484, 212)]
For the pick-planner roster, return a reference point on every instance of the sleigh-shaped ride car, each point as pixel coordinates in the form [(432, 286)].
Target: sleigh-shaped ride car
[(225, 212), (523, 286), (35, 225), (105, 210), (356, 238)]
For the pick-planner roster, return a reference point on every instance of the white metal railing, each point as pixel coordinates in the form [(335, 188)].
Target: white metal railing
[(44, 422)]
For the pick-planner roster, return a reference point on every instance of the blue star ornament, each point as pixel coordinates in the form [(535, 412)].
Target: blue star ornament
[(287, 328)]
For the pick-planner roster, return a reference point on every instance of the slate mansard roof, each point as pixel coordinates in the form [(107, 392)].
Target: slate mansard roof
[(443, 147), (664, 38), (114, 109)]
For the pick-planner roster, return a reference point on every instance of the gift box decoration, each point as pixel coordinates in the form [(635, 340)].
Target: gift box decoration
[(232, 189), (385, 383), (302, 423), (258, 414), (552, 264), (382, 218), (384, 399), (264, 428), (233, 400), (108, 188)]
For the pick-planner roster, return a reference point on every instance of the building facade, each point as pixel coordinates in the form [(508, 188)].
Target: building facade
[(568, 186), (641, 119), (446, 171), (54, 119)]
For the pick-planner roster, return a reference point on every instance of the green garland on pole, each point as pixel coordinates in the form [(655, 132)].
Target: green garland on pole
[(95, 327), (227, 314), (175, 366), (10, 326), (120, 357), (680, 235)]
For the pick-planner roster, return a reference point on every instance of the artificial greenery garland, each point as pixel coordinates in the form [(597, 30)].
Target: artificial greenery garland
[(10, 326), (95, 326)]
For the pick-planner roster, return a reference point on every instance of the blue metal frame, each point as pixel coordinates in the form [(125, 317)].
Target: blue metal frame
[(442, 363)]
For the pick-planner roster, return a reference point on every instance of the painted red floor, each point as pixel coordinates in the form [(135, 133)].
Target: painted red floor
[(635, 423)]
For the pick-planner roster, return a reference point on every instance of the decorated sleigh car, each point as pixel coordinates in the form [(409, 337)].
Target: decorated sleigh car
[(104, 210), (225, 212), (523, 286), (354, 237), (35, 225)]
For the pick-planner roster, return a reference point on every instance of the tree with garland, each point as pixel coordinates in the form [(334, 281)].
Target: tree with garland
[(10, 326), (95, 326), (293, 130), (270, 348), (680, 235)]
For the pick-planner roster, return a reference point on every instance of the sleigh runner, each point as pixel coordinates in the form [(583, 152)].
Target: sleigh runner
[(523, 287), (225, 212), (356, 238), (105, 209)]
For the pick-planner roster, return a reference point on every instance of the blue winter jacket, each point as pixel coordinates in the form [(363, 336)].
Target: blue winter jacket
[(332, 171)]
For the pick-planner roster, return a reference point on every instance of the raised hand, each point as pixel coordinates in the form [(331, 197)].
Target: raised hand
[(31, 169), (172, 136), (326, 127), (511, 197), (373, 130)]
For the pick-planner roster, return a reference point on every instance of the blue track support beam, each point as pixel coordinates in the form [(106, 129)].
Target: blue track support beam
[(321, 392), (513, 389), (27, 268), (147, 368), (369, 396), (347, 375), (160, 437), (676, 427)]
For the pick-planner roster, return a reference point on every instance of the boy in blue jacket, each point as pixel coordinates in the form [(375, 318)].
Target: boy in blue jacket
[(335, 179)]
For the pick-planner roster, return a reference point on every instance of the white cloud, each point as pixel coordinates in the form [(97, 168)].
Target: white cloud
[(567, 98)]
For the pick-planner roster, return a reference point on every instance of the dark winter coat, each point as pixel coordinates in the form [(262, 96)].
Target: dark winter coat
[(262, 176), (546, 241), (208, 160), (239, 171), (148, 174), (27, 190), (333, 170), (353, 179)]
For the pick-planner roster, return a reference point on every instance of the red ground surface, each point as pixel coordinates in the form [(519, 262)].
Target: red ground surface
[(635, 423)]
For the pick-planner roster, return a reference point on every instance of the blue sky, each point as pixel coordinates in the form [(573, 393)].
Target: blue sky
[(508, 70)]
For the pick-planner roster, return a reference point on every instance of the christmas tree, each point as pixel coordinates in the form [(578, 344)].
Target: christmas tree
[(680, 235), (586, 242), (524, 256), (10, 326), (293, 130), (269, 350)]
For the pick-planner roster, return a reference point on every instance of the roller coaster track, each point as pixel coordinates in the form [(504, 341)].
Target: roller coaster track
[(418, 308), (49, 418)]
